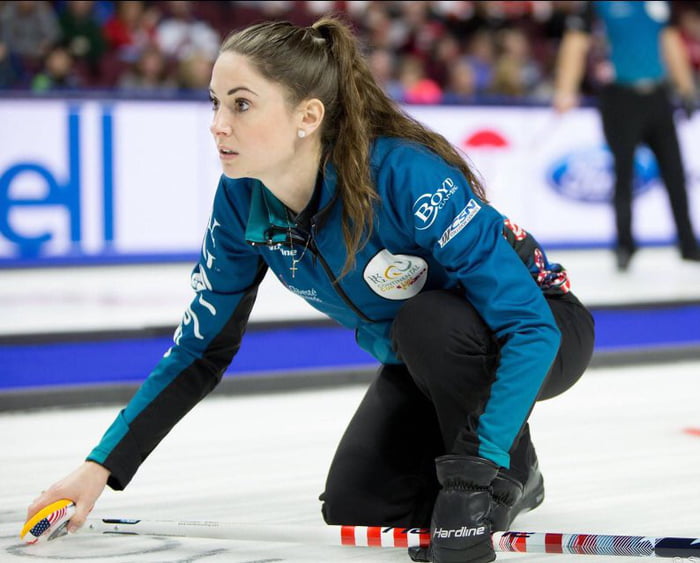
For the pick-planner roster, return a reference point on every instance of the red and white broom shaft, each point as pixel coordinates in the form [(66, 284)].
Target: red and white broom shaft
[(596, 544), (378, 536)]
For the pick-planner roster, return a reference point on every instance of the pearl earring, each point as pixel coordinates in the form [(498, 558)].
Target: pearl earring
[(301, 133)]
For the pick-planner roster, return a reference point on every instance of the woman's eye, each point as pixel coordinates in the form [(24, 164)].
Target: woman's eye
[(242, 105), (214, 103)]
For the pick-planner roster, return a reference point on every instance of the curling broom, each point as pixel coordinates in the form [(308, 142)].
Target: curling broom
[(50, 522)]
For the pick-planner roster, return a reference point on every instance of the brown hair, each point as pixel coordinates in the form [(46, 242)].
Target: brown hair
[(324, 61)]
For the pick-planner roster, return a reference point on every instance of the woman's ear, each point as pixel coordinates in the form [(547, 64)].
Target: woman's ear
[(311, 112)]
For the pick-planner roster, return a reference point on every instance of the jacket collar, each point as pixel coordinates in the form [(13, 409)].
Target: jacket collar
[(269, 221)]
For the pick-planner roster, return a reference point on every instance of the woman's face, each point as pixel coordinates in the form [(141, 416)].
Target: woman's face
[(254, 129)]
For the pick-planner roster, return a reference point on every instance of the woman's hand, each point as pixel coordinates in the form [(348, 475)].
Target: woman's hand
[(460, 529), (83, 486)]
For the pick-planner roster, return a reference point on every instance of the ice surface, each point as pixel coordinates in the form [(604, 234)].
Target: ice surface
[(613, 451)]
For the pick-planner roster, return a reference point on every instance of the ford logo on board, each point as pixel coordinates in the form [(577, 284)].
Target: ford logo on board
[(588, 175)]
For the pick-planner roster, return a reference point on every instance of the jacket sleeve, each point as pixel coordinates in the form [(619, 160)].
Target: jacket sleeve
[(466, 236), (225, 283)]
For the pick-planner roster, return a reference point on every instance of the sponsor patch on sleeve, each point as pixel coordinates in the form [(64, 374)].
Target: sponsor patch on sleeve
[(461, 221)]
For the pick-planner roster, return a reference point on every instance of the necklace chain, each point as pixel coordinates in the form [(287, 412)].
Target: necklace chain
[(293, 268)]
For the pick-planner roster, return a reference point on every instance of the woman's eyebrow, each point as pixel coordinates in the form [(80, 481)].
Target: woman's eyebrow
[(236, 89)]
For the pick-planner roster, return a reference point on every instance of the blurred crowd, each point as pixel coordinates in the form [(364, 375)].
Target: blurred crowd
[(420, 51)]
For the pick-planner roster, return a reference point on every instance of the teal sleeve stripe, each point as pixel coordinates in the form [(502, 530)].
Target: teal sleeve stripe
[(518, 381), (112, 436), (494, 453)]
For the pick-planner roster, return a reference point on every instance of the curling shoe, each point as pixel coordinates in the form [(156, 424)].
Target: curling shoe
[(511, 497), (623, 257), (691, 255)]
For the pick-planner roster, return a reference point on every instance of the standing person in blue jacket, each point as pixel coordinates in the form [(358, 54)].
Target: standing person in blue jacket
[(636, 106), (379, 223)]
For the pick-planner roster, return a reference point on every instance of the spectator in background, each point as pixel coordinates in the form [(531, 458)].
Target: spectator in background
[(515, 72), (180, 33), (461, 83), (131, 29), (194, 73), (82, 33), (272, 10), (102, 10), (9, 66), (28, 29), (8, 74), (379, 29), (382, 64), (473, 17), (481, 54), (419, 27), (636, 106), (506, 81), (444, 54), (549, 33), (149, 73), (426, 29), (416, 86), (58, 72)]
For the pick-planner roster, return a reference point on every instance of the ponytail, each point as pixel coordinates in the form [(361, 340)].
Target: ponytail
[(347, 136)]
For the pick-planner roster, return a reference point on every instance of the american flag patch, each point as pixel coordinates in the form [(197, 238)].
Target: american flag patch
[(45, 523)]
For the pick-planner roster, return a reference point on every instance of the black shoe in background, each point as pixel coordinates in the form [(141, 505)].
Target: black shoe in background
[(623, 257), (691, 255)]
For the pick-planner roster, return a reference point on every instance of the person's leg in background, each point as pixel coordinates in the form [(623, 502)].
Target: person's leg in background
[(662, 139), (621, 111)]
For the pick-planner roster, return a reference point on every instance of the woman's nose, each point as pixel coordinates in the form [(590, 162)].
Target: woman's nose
[(219, 127)]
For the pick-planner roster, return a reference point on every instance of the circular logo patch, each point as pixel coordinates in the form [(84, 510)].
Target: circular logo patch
[(396, 276)]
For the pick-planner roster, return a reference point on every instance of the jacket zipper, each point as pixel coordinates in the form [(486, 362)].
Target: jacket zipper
[(329, 272), (334, 282)]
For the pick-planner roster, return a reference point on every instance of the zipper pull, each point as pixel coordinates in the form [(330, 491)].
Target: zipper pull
[(312, 244)]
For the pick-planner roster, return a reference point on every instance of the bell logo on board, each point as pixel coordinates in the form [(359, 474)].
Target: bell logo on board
[(38, 204)]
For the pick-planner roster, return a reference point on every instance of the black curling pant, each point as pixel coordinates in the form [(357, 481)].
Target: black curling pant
[(629, 119), (383, 471)]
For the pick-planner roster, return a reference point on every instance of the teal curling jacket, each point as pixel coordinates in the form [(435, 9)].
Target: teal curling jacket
[(431, 232)]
